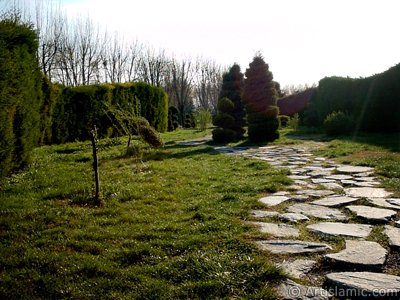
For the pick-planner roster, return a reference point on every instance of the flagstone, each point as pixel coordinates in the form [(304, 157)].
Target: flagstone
[(393, 234), (340, 229), (293, 217), (382, 202), (360, 255), (292, 246), (354, 169), (372, 213), (298, 268), (273, 200), (277, 230), (367, 192), (263, 213), (364, 285), (317, 211), (335, 201)]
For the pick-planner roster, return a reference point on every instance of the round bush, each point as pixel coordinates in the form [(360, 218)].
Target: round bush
[(223, 135), (339, 123), (266, 131), (224, 120), (225, 105), (272, 111)]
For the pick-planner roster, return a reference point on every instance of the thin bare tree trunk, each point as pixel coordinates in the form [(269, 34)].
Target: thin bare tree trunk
[(96, 198)]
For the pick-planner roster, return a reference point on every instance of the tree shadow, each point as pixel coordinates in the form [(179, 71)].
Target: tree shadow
[(191, 152)]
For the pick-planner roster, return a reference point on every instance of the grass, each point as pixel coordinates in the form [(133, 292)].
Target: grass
[(170, 226)]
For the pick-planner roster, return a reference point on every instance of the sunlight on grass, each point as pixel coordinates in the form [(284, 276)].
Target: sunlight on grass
[(170, 227)]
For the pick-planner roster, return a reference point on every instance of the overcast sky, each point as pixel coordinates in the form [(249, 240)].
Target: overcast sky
[(301, 40)]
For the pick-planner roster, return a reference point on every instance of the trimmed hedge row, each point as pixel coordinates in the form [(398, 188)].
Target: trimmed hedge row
[(373, 102), (20, 94), (81, 108), (34, 111)]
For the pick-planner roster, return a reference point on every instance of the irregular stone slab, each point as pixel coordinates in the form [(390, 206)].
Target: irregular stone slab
[(317, 211), (298, 171), (366, 184), (362, 255), (393, 235), (278, 230), (372, 213), (382, 202), (364, 285), (340, 229), (292, 246), (299, 198), (397, 223), (340, 177), (320, 158), (367, 192), (319, 173), (334, 201), (332, 186), (316, 193), (263, 214), (347, 182), (298, 268), (394, 201), (293, 217), (321, 180), (354, 169), (366, 178), (290, 290), (274, 200)]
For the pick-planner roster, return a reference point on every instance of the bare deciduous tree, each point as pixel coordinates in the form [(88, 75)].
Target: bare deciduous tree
[(153, 66), (180, 86), (208, 80), (133, 61), (115, 58), (49, 23)]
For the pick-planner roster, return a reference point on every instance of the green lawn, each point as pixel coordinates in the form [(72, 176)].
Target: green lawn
[(170, 227)]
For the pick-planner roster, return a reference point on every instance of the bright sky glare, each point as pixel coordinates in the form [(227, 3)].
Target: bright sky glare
[(301, 40)]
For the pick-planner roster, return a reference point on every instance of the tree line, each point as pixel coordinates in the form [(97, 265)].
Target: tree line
[(75, 52)]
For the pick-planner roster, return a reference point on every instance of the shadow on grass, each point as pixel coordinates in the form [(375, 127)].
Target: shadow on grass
[(190, 153)]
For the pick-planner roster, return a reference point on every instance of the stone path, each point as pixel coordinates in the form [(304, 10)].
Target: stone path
[(328, 202)]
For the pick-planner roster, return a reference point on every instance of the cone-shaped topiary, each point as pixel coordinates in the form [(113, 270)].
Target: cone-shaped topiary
[(225, 121), (232, 85), (260, 97)]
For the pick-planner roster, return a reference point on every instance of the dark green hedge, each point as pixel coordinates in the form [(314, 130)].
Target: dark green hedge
[(374, 102), (80, 108), (20, 94)]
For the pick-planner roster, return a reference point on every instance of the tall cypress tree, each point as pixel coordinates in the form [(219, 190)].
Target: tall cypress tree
[(232, 85), (260, 97)]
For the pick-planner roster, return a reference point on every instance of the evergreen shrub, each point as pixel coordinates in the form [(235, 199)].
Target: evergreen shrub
[(339, 123), (221, 135), (20, 93)]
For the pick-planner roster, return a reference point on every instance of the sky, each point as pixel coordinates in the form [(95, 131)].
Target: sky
[(301, 40)]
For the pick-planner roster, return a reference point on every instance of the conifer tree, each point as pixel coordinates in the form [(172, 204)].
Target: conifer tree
[(232, 85), (260, 97)]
